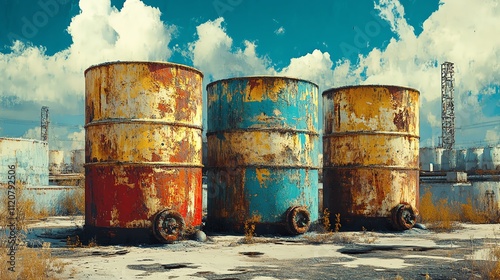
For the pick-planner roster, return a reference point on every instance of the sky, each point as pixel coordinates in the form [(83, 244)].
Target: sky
[(46, 45)]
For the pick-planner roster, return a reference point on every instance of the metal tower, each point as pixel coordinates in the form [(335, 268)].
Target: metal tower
[(447, 105), (45, 124)]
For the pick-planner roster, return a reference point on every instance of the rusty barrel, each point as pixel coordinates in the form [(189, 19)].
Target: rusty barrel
[(263, 146), (142, 151), (370, 156)]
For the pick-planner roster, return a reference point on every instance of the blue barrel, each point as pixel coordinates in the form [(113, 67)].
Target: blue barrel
[(263, 147)]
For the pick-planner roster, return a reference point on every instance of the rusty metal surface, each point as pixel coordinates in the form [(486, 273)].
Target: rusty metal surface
[(263, 146), (370, 153), (143, 144)]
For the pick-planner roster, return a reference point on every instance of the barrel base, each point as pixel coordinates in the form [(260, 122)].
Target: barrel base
[(238, 228), (115, 236), (361, 223)]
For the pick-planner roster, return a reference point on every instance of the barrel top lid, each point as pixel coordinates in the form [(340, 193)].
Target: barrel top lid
[(328, 91), (165, 63), (22, 140), (261, 77)]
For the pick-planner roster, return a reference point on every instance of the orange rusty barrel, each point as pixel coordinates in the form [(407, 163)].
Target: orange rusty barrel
[(142, 151), (370, 160)]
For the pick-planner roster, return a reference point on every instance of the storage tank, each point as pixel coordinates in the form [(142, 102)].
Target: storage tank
[(30, 158), (461, 159), (142, 151), (78, 160), (56, 162), (491, 158), (263, 147), (474, 159), (370, 156), (431, 158), (449, 160)]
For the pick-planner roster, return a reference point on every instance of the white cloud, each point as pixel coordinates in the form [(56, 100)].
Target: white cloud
[(315, 66), (60, 138), (103, 33), (214, 54), (493, 136), (99, 33), (29, 78), (77, 139), (452, 33)]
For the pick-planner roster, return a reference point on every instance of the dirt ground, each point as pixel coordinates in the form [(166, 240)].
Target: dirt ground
[(414, 254)]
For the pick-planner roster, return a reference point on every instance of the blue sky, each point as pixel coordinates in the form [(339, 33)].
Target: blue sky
[(332, 43)]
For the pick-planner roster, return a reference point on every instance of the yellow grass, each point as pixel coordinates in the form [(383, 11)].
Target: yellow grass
[(443, 216), (250, 229), (30, 264)]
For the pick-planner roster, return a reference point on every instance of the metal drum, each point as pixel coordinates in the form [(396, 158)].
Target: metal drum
[(142, 151), (78, 160), (474, 159), (56, 162), (430, 158), (370, 156), (263, 146), (449, 160), (461, 159), (491, 158)]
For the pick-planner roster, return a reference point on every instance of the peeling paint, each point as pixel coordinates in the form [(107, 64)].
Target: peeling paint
[(371, 151), (263, 146), (262, 175), (143, 143)]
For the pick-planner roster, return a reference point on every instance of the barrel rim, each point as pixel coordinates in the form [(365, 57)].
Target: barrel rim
[(23, 140), (262, 77), (166, 63), (334, 90)]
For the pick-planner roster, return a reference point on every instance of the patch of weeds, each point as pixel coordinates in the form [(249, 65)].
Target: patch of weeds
[(330, 238), (438, 216), (337, 222), (29, 263), (326, 235), (474, 214), (326, 220), (443, 216), (250, 229), (368, 237), (74, 242), (491, 268), (73, 202)]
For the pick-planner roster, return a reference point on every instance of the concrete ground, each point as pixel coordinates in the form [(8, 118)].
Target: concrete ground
[(415, 254)]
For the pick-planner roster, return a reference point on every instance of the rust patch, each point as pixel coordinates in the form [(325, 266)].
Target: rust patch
[(401, 120), (140, 164)]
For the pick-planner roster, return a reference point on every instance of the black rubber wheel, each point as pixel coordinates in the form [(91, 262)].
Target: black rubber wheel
[(298, 220), (404, 216), (168, 226)]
